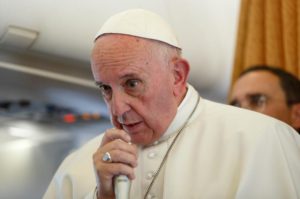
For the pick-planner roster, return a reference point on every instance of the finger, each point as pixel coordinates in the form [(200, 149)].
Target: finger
[(118, 156), (108, 172), (113, 134), (115, 169), (119, 151), (121, 145), (124, 155), (115, 122)]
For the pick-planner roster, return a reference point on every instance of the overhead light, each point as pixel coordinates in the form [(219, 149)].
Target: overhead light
[(20, 132), (19, 146), (20, 37), (48, 74)]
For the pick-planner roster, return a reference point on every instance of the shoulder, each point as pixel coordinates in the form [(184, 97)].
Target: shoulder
[(228, 113), (83, 155), (228, 127), (75, 175), (227, 119)]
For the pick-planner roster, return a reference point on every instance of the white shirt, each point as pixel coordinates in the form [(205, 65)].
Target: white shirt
[(223, 152)]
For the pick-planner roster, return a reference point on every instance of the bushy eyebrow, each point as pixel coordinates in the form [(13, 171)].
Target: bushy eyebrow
[(126, 76), (130, 75)]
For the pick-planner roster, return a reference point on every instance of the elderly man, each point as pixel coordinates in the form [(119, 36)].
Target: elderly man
[(269, 90), (168, 141)]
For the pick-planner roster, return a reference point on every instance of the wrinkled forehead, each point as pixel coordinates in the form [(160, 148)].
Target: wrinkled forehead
[(116, 52), (121, 46), (122, 49), (112, 41)]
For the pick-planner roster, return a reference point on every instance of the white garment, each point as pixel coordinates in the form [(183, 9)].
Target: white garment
[(223, 152)]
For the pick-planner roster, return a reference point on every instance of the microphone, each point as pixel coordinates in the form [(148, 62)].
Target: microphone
[(122, 187)]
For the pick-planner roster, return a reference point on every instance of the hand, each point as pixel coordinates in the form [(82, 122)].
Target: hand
[(124, 160)]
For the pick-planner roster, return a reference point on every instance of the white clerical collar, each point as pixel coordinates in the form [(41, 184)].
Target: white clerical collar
[(183, 111)]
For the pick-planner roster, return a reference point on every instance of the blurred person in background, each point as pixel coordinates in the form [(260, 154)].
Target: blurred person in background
[(268, 90)]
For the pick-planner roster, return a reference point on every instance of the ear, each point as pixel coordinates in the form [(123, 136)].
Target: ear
[(181, 72), (295, 116)]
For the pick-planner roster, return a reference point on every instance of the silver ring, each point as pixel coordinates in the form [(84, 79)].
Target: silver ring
[(107, 157)]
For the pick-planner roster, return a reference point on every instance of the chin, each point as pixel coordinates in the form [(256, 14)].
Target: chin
[(141, 139)]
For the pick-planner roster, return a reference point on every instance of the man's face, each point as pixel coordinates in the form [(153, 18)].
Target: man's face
[(137, 85), (261, 91)]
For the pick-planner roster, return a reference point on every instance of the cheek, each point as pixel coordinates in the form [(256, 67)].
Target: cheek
[(160, 99), (279, 112), (160, 107)]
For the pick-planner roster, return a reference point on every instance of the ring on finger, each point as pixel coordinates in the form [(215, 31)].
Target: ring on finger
[(107, 157)]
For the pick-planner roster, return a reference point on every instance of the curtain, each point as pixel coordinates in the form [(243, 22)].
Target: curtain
[(269, 34)]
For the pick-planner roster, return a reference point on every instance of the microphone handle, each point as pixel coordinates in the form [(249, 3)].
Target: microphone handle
[(122, 187)]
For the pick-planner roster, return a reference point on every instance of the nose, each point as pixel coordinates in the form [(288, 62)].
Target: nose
[(119, 104)]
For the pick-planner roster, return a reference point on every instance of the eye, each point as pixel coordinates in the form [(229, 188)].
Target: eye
[(257, 100), (105, 91), (132, 83), (134, 86), (235, 103)]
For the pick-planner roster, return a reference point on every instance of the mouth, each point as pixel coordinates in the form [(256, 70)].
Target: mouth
[(131, 127)]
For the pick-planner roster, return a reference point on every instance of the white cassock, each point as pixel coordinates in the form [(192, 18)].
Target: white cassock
[(222, 153)]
